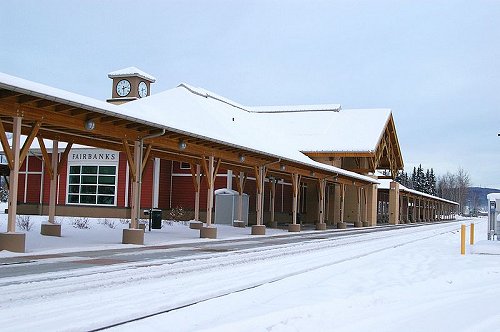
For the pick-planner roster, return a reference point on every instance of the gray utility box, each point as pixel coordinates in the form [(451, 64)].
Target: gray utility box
[(494, 216), (226, 206)]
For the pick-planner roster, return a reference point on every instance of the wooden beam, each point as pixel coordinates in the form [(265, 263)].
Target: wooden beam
[(6, 147), (45, 155), (29, 140), (52, 118), (27, 99), (146, 158), (64, 157), (130, 159)]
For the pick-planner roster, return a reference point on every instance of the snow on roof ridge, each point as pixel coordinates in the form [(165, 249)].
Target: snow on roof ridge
[(208, 94), (132, 71), (296, 108)]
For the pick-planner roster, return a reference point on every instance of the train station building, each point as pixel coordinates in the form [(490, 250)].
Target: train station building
[(299, 165)]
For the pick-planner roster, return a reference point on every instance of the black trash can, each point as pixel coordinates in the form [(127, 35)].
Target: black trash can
[(155, 216)]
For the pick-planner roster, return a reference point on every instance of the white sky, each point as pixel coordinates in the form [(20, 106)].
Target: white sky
[(434, 63)]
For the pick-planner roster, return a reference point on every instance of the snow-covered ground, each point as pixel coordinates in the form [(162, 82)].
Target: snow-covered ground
[(411, 279)]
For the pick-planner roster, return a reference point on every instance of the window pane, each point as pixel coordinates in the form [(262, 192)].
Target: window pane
[(107, 170), (87, 199), (88, 189), (74, 189), (74, 179), (106, 179), (89, 169), (72, 198), (106, 190), (89, 179), (108, 200), (74, 170)]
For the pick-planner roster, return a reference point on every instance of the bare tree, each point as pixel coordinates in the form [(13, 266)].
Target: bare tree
[(454, 186)]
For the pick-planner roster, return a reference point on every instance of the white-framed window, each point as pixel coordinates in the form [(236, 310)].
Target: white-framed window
[(185, 166), (92, 185)]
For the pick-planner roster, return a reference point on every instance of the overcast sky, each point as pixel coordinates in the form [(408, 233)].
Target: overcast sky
[(436, 64)]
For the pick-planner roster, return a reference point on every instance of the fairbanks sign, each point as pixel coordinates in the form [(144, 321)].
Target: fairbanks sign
[(92, 155)]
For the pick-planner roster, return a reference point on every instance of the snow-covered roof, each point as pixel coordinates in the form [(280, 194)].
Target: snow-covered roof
[(386, 184), (493, 197), (347, 130), (132, 71), (183, 111), (199, 111), (295, 108)]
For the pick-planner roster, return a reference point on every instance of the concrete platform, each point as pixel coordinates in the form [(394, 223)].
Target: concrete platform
[(358, 224), (321, 226), (133, 236), (239, 223), (208, 232), (341, 225), (258, 230), (195, 225), (50, 229), (15, 242)]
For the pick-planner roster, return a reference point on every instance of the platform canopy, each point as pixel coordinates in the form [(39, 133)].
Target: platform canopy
[(181, 124)]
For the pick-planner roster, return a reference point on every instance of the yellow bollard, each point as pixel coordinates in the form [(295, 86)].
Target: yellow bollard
[(471, 233), (462, 242)]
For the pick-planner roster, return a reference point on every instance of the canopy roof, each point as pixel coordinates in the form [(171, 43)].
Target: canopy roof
[(209, 125)]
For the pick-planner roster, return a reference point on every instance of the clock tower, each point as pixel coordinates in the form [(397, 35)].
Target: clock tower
[(129, 84)]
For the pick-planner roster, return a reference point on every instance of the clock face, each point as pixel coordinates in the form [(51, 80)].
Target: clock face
[(123, 88), (143, 89)]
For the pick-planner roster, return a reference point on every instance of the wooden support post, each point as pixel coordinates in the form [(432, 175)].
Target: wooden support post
[(211, 182), (53, 181), (294, 226), (196, 177), (211, 170), (358, 222), (14, 175), (394, 203), (134, 222), (273, 198), (11, 240), (134, 235), (321, 225), (372, 202), (240, 183)]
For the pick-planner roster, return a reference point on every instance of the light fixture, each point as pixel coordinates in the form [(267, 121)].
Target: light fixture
[(241, 158), (282, 167), (182, 144), (89, 124)]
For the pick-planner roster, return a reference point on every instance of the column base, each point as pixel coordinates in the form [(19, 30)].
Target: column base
[(208, 232), (366, 224), (258, 230), (358, 224), (15, 242), (238, 223), (50, 229), (294, 228), (195, 225), (341, 225), (321, 226), (133, 236)]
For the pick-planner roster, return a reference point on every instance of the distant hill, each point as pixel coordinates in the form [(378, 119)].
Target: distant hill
[(477, 196)]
